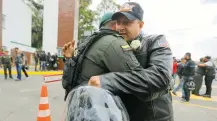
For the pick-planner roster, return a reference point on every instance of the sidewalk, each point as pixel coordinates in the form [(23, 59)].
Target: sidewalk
[(32, 71)]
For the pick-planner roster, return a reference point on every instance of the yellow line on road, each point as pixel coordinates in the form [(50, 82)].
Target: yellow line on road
[(37, 73), (213, 99), (196, 105)]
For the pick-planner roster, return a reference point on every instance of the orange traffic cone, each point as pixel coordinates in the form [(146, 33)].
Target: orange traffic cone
[(44, 110)]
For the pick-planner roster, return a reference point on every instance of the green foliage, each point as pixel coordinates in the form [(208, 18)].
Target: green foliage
[(86, 18), (37, 22), (37, 29), (107, 6)]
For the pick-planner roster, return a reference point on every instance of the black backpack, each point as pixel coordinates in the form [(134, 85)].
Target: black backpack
[(72, 68)]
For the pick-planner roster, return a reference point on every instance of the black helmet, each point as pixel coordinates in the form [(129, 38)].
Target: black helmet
[(89, 103)]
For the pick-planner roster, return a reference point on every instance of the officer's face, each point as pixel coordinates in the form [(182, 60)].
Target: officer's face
[(186, 57), (129, 29)]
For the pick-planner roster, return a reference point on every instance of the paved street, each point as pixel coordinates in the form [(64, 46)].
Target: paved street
[(19, 102)]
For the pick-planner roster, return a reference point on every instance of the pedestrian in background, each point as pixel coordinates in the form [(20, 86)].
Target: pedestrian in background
[(179, 73), (36, 58), (188, 76), (210, 72), (175, 64), (43, 61), (24, 64), (198, 79), (18, 63), (6, 61)]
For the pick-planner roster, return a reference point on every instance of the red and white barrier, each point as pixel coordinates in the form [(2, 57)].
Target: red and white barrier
[(52, 78)]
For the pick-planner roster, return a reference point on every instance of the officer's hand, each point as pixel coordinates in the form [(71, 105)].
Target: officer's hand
[(68, 49), (94, 81)]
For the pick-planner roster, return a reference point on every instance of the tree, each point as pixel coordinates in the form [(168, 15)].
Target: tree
[(86, 18), (37, 29), (37, 21), (107, 6)]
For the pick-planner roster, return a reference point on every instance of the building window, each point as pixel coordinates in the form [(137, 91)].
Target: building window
[(3, 21)]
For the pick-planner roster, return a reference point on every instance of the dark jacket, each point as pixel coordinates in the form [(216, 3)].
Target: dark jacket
[(6, 59), (210, 70), (189, 68), (200, 70), (101, 57), (180, 69), (107, 55), (145, 92), (43, 57)]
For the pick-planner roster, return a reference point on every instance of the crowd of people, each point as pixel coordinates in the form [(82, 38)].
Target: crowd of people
[(45, 61), (20, 62), (192, 74)]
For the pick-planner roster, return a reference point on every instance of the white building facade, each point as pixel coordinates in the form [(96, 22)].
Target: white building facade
[(17, 25), (50, 26)]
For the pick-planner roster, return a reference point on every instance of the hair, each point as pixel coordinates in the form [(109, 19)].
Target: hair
[(16, 48), (188, 54), (208, 57)]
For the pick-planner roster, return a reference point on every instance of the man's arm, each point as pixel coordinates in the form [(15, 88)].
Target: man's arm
[(147, 84), (205, 64)]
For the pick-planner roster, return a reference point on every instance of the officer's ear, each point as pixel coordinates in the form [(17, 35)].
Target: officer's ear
[(141, 24)]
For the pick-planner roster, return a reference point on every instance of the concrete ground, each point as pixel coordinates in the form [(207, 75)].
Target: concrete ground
[(19, 102)]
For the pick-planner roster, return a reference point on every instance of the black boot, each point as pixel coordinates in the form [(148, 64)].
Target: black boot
[(208, 96)]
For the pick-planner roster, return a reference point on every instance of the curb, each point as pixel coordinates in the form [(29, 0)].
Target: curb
[(35, 73)]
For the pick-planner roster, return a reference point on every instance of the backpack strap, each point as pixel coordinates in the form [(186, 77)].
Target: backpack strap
[(85, 47)]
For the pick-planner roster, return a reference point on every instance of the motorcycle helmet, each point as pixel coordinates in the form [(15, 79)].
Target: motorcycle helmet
[(89, 103)]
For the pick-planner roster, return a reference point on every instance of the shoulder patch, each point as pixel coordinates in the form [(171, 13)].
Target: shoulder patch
[(126, 47), (163, 43)]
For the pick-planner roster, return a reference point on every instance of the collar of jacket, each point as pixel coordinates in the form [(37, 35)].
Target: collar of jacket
[(139, 37), (188, 59)]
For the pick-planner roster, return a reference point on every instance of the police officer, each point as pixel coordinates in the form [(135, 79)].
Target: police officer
[(188, 75), (110, 53), (36, 58), (6, 61), (198, 78), (209, 74), (143, 91)]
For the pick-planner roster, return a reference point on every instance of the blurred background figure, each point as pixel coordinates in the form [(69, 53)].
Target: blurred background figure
[(210, 72), (18, 63), (43, 61), (180, 68), (24, 64), (198, 79), (49, 59), (54, 62), (188, 76), (36, 58), (175, 64), (6, 61)]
